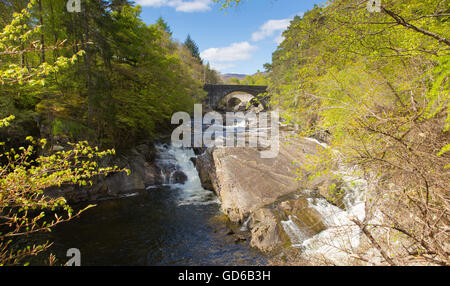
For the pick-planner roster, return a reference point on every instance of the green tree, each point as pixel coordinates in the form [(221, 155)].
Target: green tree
[(378, 83), (193, 48), (24, 175), (163, 25)]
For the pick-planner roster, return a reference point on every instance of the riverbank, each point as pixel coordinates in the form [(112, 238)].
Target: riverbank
[(284, 212)]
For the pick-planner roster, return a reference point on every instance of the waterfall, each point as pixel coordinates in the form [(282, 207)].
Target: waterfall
[(296, 235), (172, 160), (342, 236)]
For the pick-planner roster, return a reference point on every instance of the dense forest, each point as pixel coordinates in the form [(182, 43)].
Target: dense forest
[(101, 77), (375, 87), (125, 84)]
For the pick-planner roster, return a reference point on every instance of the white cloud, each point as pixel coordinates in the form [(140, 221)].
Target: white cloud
[(222, 67), (226, 57), (273, 27), (235, 52), (270, 28), (179, 5)]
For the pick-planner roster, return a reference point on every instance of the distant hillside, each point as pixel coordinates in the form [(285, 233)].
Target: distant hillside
[(226, 77)]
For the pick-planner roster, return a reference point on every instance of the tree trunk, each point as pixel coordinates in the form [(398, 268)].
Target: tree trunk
[(41, 22)]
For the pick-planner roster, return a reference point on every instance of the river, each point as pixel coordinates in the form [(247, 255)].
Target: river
[(181, 224), (173, 224)]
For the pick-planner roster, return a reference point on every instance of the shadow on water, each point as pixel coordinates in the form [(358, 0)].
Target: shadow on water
[(154, 228), (174, 224)]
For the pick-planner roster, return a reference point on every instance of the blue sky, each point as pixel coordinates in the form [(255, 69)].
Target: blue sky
[(236, 40)]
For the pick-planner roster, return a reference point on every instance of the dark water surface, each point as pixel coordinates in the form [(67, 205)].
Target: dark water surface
[(152, 229)]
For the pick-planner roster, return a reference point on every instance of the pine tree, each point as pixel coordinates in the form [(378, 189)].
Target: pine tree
[(192, 46), (163, 26)]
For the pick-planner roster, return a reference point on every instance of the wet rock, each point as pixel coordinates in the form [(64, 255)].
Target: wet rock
[(57, 148), (178, 177), (71, 193), (264, 230), (122, 184), (148, 172), (98, 191), (331, 189), (205, 168), (143, 173), (194, 160), (306, 218)]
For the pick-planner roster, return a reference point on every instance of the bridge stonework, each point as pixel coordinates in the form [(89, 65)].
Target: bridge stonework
[(216, 92)]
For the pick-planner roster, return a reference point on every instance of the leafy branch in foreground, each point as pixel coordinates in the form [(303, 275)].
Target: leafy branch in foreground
[(24, 175), (24, 207), (14, 39)]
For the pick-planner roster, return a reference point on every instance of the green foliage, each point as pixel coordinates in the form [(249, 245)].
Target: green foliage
[(163, 26), (24, 206), (378, 84), (105, 71), (24, 174), (338, 63)]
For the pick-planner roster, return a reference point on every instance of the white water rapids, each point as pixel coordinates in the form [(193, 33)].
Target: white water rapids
[(179, 159), (341, 237)]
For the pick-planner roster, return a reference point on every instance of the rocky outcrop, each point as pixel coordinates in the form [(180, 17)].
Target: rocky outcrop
[(245, 182), (330, 188), (307, 218), (333, 192), (262, 192), (144, 173), (265, 230)]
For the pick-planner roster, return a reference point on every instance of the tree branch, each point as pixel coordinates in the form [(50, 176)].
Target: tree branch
[(401, 21)]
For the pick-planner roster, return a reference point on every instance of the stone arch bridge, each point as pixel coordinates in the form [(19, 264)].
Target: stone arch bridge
[(216, 92)]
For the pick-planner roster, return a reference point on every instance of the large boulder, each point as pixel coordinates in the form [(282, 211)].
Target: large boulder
[(333, 192), (245, 182), (178, 177), (122, 184), (330, 188), (143, 168), (206, 170), (265, 193)]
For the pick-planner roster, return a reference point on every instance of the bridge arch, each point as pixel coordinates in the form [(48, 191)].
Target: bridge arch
[(217, 92), (236, 101)]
